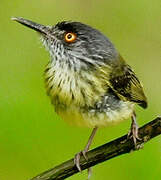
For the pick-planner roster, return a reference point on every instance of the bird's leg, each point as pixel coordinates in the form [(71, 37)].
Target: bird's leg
[(77, 156), (133, 133)]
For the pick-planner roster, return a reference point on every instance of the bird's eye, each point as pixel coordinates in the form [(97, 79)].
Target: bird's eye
[(70, 37)]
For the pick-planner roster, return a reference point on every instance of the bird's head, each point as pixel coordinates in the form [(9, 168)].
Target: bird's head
[(78, 44)]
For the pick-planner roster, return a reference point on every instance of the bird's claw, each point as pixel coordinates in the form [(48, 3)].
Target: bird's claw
[(84, 155), (77, 159), (133, 134)]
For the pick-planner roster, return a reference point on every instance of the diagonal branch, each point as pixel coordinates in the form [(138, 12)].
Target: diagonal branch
[(102, 153)]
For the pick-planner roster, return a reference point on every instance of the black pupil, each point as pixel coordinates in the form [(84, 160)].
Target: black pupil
[(69, 36)]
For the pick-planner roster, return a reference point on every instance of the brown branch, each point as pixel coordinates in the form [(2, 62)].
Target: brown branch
[(102, 153)]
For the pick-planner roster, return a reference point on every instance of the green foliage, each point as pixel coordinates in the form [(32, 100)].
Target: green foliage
[(32, 137)]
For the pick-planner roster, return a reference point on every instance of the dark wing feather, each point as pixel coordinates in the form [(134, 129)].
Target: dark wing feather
[(125, 83)]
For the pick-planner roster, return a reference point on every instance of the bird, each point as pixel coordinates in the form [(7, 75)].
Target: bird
[(88, 81)]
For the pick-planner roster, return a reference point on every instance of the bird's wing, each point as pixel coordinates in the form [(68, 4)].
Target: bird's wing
[(125, 83)]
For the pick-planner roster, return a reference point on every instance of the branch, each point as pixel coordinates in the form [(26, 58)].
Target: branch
[(102, 153)]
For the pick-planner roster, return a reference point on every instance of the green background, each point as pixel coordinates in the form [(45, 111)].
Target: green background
[(32, 137)]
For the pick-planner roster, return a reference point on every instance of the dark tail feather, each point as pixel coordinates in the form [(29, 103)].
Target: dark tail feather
[(143, 104)]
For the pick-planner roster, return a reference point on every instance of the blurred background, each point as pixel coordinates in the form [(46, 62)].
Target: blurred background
[(32, 137)]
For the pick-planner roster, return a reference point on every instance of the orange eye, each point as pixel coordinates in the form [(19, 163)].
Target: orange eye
[(70, 37)]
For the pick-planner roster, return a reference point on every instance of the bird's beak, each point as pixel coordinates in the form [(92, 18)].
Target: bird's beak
[(37, 27)]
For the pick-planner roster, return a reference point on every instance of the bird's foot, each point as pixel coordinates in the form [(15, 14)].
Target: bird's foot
[(77, 159), (77, 162), (78, 155), (133, 134)]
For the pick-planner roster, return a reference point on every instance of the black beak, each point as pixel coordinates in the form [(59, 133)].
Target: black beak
[(37, 27)]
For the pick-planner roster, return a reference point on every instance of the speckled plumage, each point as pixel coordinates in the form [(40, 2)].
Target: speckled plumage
[(87, 80), (82, 81), (84, 99)]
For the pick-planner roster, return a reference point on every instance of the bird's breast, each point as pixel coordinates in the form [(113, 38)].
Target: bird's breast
[(84, 98), (66, 86)]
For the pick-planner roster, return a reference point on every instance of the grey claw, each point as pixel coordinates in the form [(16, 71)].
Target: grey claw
[(77, 161), (133, 133), (84, 155)]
